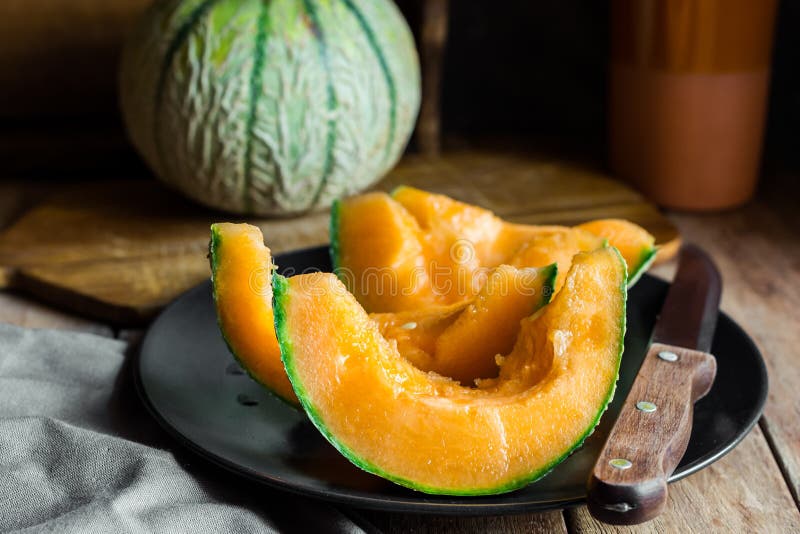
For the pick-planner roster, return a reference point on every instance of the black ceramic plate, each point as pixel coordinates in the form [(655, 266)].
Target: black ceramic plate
[(192, 386)]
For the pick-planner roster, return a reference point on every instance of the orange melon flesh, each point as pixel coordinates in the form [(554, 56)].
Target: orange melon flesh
[(429, 433), (558, 245), (468, 349), (502, 239), (635, 243), (437, 247), (382, 261), (457, 241), (415, 332), (461, 341), (241, 272), (445, 220)]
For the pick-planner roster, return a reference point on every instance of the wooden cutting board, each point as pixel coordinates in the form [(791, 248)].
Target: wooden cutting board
[(121, 250)]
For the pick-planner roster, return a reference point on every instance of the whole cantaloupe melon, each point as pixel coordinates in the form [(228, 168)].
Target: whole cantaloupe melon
[(270, 107)]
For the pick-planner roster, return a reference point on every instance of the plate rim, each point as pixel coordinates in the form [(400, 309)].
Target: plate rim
[(424, 503)]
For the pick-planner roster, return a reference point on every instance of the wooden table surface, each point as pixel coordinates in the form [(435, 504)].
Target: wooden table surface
[(755, 488)]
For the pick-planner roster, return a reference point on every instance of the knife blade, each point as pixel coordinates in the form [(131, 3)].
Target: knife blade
[(689, 314), (628, 484)]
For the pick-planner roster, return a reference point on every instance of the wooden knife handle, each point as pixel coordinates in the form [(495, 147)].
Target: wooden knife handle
[(628, 484)]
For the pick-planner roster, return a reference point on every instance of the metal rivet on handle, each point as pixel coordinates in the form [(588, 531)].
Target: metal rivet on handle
[(620, 463), (620, 507), (645, 406), (668, 356)]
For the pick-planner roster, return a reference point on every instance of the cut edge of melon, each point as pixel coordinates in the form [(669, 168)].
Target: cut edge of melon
[(635, 235), (213, 245), (609, 397), (280, 287), (646, 259), (454, 368)]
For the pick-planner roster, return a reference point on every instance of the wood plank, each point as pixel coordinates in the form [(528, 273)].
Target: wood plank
[(758, 254), (743, 492), (541, 523), (21, 311), (17, 195), (120, 251), (124, 291)]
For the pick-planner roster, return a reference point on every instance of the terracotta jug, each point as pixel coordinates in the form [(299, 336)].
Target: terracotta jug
[(688, 92)]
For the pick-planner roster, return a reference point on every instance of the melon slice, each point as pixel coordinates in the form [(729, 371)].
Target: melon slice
[(436, 247), (241, 273), (429, 433)]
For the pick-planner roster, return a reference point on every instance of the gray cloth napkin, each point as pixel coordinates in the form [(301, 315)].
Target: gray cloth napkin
[(78, 453)]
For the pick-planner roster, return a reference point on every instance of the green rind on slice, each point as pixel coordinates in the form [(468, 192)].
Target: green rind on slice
[(646, 259), (548, 287), (215, 258), (215, 254), (533, 477), (213, 251), (280, 297)]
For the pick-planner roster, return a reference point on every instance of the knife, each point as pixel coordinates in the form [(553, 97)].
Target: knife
[(628, 484)]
